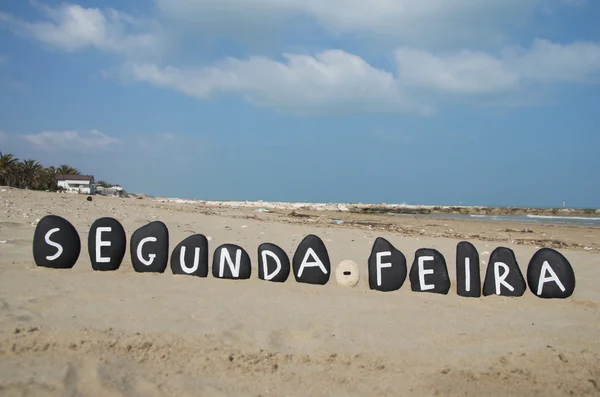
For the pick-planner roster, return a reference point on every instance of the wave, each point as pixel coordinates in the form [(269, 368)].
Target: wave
[(579, 218)]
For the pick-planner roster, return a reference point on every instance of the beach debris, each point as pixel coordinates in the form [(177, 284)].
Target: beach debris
[(262, 210), (347, 274), (337, 222), (273, 263), (209, 238), (485, 253), (3, 241), (342, 208), (244, 226), (89, 198), (587, 248), (387, 266)]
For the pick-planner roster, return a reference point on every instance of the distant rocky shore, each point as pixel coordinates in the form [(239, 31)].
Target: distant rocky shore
[(390, 208)]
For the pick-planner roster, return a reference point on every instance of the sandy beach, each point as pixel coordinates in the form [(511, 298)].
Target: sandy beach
[(83, 333)]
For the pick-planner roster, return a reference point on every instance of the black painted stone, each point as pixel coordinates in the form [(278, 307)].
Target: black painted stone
[(66, 236), (438, 279), (562, 270), (465, 250), (271, 264), (393, 272), (313, 250), (111, 255), (514, 278), (189, 247), (244, 265), (158, 248)]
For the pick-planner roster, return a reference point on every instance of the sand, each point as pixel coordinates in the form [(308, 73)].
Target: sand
[(83, 333)]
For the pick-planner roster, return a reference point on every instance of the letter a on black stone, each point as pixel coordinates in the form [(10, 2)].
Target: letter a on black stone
[(311, 261), (106, 244), (150, 248), (273, 263), (468, 277), (429, 272), (231, 262), (387, 267), (190, 257), (56, 243), (550, 275), (503, 275)]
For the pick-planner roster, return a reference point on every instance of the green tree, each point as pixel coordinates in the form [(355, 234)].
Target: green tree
[(9, 169), (65, 169), (31, 174)]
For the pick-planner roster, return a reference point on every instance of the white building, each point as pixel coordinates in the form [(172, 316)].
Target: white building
[(82, 184), (109, 191)]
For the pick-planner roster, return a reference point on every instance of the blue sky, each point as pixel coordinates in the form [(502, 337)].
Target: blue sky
[(397, 101)]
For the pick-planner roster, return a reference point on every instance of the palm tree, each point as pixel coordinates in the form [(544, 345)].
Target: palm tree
[(9, 165), (31, 172), (67, 170)]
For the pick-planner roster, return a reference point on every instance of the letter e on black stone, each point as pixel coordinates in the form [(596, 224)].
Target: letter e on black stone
[(550, 275), (273, 263), (56, 243), (387, 266), (190, 257), (429, 272), (106, 244)]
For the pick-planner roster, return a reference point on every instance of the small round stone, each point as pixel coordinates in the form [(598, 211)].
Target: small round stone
[(347, 274)]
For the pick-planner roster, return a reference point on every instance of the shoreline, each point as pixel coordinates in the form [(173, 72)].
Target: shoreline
[(383, 208)]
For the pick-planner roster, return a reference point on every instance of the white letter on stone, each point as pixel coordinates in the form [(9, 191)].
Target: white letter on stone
[(423, 272), (381, 265), (54, 244), (316, 262), (500, 277), (543, 279), (467, 274), (235, 269), (265, 267), (100, 244), (189, 270), (139, 251)]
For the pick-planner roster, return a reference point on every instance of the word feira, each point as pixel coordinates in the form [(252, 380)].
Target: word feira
[(56, 244)]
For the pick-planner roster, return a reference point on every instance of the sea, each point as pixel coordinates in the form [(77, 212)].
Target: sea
[(544, 219)]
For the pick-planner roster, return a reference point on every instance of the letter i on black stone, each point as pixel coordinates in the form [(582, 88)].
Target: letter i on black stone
[(468, 277), (56, 243)]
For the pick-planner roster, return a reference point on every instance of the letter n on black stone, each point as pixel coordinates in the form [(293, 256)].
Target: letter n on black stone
[(387, 266), (56, 243), (190, 257), (150, 248), (550, 275), (468, 277), (311, 261), (273, 263), (231, 262), (106, 244), (503, 275), (429, 272)]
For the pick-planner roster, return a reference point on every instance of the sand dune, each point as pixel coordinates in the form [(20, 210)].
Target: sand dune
[(83, 333)]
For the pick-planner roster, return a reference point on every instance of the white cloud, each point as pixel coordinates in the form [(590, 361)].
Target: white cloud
[(71, 140), (71, 27), (328, 81), (334, 79), (414, 21)]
